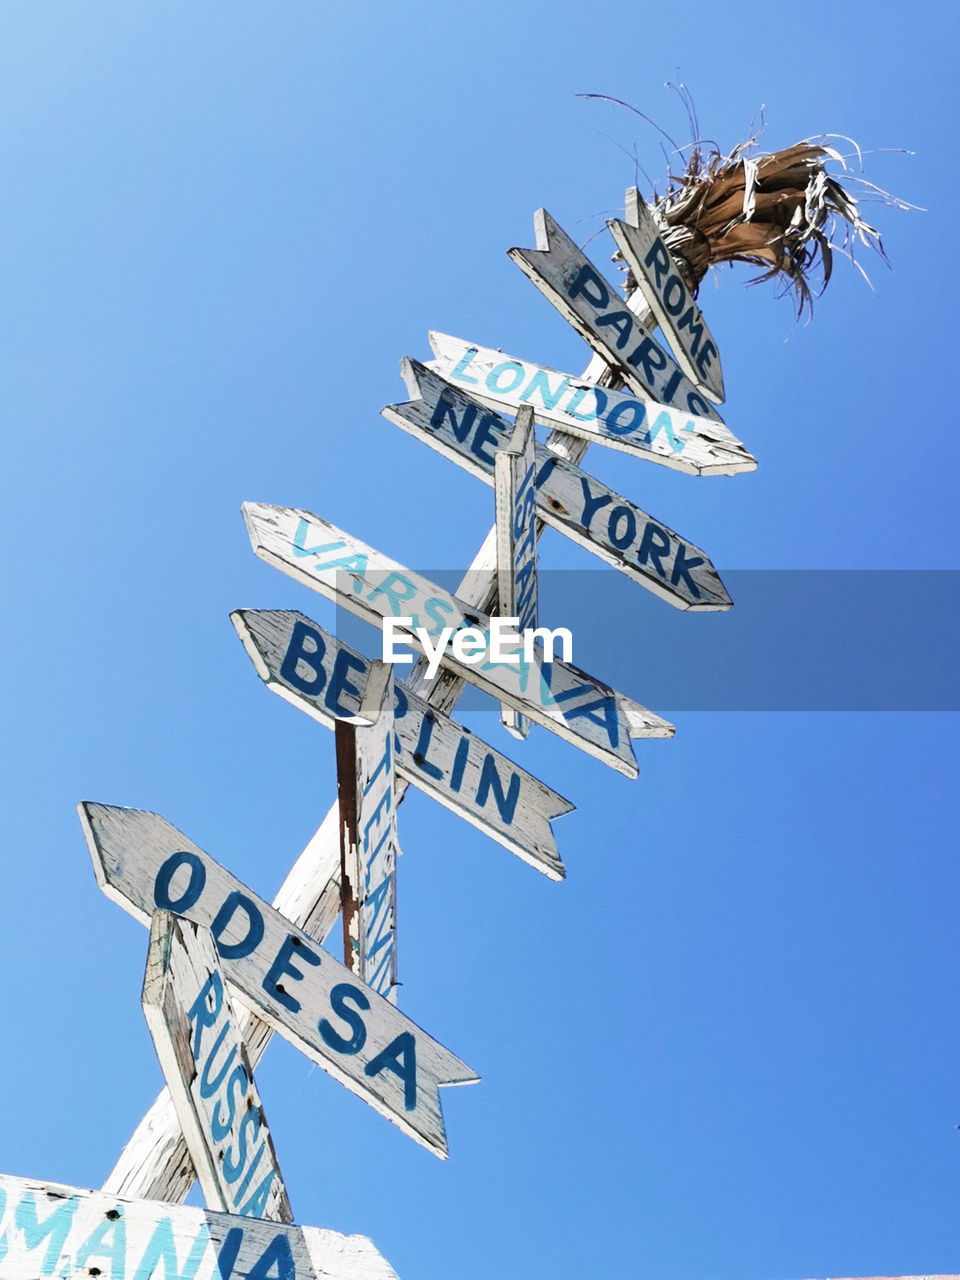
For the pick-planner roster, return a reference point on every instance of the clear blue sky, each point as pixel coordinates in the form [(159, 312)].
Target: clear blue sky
[(727, 1047)]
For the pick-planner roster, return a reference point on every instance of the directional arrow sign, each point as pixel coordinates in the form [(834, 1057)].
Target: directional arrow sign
[(574, 705), (144, 863), (515, 485), (47, 1229), (600, 315), (322, 676), (368, 837), (581, 507), (662, 284), (635, 424), (190, 1017)]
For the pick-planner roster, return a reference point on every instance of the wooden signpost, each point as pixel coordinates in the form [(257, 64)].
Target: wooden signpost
[(190, 1016), (576, 706), (662, 284), (143, 863), (515, 468), (368, 837), (313, 670), (212, 938), (633, 423), (566, 498), (47, 1229), (599, 314)]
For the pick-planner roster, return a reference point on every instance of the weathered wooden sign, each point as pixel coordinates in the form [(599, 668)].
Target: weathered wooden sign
[(143, 863), (662, 284), (633, 423), (599, 314), (368, 836), (576, 706), (566, 498), (191, 1020), (324, 677), (48, 1229), (514, 473)]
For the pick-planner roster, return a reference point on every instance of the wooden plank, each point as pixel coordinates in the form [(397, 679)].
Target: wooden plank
[(599, 314), (309, 667), (571, 501), (632, 423), (191, 1019), (49, 1229), (577, 707), (142, 862), (662, 284), (368, 837), (155, 1163), (516, 492)]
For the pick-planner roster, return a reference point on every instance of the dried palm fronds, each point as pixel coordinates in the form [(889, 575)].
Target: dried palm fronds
[(781, 211)]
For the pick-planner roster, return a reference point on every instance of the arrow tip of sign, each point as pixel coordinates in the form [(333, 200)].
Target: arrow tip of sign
[(411, 371), (643, 723)]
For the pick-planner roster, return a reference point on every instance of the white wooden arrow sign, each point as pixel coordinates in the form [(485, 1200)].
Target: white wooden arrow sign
[(144, 863), (662, 284), (599, 314), (633, 423), (324, 677), (48, 1229), (576, 706), (191, 1020), (567, 498), (515, 468), (368, 836)]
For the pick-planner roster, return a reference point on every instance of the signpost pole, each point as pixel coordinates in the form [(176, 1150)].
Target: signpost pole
[(516, 490), (366, 780)]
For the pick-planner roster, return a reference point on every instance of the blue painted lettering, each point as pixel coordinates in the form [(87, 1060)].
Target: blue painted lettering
[(233, 1164), (622, 321), (235, 1090), (515, 375), (400, 1057), (259, 1199), (161, 1248), (587, 284), (492, 783), (209, 1087), (202, 1015), (161, 888), (654, 545), (56, 1226), (634, 408), (276, 1261), (540, 382), (621, 537), (97, 1245), (444, 409), (298, 652), (339, 995), (681, 569), (236, 901), (340, 682), (460, 372), (282, 968)]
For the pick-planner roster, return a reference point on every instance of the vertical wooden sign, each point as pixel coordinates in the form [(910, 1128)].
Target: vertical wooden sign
[(191, 1019), (368, 836), (514, 472), (668, 295)]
